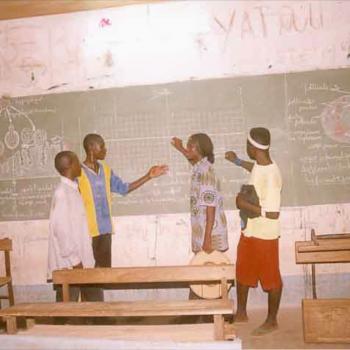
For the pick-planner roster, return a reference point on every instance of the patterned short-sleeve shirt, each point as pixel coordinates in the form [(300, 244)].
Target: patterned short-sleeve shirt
[(205, 191)]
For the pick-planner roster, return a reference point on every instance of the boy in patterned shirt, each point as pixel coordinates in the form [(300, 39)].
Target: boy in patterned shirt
[(208, 220)]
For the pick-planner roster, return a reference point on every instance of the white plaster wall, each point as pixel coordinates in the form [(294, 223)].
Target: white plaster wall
[(157, 240), (171, 41), (166, 42)]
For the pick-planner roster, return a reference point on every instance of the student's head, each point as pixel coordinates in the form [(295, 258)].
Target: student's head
[(67, 164), (200, 146), (95, 145), (258, 141)]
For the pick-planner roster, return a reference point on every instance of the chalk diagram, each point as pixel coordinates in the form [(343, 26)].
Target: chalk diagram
[(25, 150), (336, 119)]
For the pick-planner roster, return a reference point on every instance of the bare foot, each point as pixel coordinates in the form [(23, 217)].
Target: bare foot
[(241, 318), (265, 328)]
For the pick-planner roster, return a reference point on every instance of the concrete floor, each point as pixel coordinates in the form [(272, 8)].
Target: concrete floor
[(288, 336)]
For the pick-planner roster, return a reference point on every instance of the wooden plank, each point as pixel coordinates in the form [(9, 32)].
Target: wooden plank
[(219, 333), (65, 292), (224, 289), (333, 236), (4, 280), (21, 8), (8, 274), (323, 245), (149, 274), (122, 309), (323, 257), (30, 323), (230, 331), (5, 244), (325, 248), (326, 320), (11, 326), (313, 275)]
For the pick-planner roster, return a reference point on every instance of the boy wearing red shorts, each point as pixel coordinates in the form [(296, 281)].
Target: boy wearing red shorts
[(257, 251)]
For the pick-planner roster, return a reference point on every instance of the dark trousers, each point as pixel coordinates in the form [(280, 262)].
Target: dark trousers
[(102, 249)]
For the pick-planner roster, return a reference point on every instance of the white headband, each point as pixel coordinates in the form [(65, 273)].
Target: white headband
[(257, 144)]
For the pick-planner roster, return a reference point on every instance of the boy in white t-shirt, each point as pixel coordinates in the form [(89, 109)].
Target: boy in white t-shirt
[(257, 251)]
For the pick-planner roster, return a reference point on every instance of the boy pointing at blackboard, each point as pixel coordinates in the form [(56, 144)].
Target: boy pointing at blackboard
[(96, 183), (208, 220), (257, 251)]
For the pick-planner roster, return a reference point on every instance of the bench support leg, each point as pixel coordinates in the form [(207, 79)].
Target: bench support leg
[(229, 331), (11, 326), (30, 322), (219, 333), (65, 292), (313, 274)]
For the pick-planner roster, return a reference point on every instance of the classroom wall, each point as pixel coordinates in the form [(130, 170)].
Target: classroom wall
[(171, 41), (166, 42)]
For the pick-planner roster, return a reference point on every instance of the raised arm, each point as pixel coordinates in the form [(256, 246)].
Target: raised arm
[(232, 157), (177, 144)]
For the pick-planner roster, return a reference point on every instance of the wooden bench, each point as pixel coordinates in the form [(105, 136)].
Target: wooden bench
[(134, 276), (324, 320), (6, 247), (322, 249)]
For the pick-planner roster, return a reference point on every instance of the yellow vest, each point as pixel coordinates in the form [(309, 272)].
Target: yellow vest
[(88, 198)]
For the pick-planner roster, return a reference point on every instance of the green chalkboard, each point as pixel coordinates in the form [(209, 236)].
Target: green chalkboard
[(308, 114)]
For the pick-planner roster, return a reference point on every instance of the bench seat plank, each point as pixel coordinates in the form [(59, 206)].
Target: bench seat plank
[(148, 274), (121, 308), (126, 276)]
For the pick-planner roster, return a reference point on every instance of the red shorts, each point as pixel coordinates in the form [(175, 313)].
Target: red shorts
[(257, 260)]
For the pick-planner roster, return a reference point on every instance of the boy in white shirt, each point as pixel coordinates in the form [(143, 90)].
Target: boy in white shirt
[(69, 242), (257, 251)]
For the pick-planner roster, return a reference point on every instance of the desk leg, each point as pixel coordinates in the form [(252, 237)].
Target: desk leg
[(219, 333), (313, 275), (11, 326), (30, 322)]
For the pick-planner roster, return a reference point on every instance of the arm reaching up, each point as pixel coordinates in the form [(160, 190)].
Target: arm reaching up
[(177, 144), (232, 157)]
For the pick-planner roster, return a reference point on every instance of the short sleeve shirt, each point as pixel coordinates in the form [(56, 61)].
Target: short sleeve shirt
[(267, 181)]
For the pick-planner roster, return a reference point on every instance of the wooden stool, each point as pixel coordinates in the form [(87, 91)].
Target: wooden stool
[(6, 247)]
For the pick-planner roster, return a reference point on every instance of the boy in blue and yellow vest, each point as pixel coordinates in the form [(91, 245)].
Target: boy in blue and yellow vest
[(96, 184)]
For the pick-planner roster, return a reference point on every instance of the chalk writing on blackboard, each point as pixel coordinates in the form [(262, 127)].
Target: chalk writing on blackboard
[(25, 150)]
